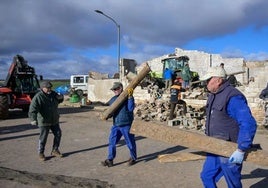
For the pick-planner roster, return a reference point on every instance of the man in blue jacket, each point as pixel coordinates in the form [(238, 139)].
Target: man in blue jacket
[(228, 118), (122, 120), (168, 74)]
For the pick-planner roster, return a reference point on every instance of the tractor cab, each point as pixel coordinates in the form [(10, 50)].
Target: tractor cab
[(175, 64)]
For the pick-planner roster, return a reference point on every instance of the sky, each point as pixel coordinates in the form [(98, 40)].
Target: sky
[(64, 37)]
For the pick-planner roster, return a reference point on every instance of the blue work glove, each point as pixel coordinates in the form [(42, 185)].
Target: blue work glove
[(237, 157)]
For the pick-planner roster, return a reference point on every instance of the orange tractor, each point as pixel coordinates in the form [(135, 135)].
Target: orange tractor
[(20, 86)]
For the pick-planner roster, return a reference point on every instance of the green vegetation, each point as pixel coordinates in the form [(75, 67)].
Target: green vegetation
[(57, 83)]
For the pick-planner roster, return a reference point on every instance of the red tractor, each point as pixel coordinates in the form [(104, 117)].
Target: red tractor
[(20, 86)]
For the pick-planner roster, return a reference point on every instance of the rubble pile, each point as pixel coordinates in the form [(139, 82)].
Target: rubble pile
[(158, 110), (152, 110), (196, 93), (194, 119)]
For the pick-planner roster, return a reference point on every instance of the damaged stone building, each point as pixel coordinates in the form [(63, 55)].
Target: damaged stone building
[(253, 79)]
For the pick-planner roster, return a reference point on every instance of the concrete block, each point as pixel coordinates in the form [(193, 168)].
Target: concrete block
[(173, 122)]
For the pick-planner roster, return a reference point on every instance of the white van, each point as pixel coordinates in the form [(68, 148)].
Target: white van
[(79, 82)]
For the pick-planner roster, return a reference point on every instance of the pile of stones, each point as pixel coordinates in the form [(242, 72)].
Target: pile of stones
[(159, 109)]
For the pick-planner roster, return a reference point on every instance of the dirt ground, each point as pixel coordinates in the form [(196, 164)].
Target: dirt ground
[(84, 145)]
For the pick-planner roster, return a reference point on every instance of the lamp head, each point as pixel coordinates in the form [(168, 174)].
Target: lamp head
[(98, 11)]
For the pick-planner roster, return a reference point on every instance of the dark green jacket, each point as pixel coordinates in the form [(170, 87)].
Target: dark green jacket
[(186, 74), (44, 108)]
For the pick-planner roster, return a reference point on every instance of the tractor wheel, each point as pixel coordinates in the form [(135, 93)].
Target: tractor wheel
[(25, 109), (3, 107)]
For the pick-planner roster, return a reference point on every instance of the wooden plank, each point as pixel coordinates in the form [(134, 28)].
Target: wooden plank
[(196, 141), (180, 157), (123, 96), (234, 73)]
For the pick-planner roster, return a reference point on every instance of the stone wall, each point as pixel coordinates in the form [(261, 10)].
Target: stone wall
[(99, 90), (258, 71)]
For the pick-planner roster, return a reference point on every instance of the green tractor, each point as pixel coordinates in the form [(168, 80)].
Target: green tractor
[(175, 64)]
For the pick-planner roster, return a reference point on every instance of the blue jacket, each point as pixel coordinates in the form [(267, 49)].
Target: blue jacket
[(229, 117), (168, 74), (124, 114)]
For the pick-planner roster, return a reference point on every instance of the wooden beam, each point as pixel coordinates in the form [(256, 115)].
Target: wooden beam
[(196, 141), (234, 73), (180, 157), (123, 96)]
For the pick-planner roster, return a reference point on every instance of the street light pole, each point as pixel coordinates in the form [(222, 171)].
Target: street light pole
[(118, 38)]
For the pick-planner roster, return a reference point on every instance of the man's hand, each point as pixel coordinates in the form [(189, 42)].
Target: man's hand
[(109, 116), (237, 157), (130, 92), (33, 122), (60, 98)]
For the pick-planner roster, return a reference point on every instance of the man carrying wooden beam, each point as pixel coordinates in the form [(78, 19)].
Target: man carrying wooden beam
[(121, 109), (228, 118), (122, 120)]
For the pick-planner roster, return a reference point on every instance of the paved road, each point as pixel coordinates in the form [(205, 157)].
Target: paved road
[(84, 144)]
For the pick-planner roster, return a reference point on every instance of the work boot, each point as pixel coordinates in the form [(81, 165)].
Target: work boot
[(56, 153), (107, 162), (42, 157), (131, 162)]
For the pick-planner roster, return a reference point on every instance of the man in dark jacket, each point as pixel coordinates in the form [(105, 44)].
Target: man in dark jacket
[(122, 120), (175, 98), (43, 112), (264, 93), (264, 97), (186, 76), (228, 118)]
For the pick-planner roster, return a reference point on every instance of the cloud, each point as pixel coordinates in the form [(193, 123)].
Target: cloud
[(54, 34), (260, 56)]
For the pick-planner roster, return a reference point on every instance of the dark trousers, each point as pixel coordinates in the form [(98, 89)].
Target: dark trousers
[(168, 83), (173, 106), (44, 131)]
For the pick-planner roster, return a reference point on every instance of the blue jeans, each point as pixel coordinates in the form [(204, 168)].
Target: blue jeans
[(185, 84), (115, 135), (215, 167)]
